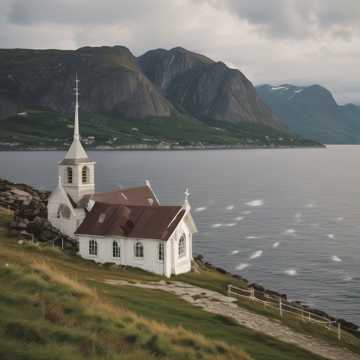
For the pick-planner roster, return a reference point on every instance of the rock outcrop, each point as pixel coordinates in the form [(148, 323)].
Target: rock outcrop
[(30, 214)]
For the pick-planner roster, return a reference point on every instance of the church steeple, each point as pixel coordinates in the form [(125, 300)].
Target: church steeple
[(77, 171), (76, 125), (76, 150)]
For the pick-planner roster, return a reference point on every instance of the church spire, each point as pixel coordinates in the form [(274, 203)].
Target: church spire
[(76, 150), (76, 124)]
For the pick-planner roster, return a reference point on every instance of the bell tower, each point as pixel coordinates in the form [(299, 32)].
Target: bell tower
[(77, 171)]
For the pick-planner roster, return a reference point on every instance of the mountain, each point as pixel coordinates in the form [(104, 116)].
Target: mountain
[(312, 112), (111, 81), (206, 89), (173, 96)]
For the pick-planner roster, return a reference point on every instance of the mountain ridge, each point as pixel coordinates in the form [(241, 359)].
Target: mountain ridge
[(312, 112), (120, 94)]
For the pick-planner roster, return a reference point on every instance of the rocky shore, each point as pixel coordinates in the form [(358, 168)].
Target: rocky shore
[(30, 223), (30, 215)]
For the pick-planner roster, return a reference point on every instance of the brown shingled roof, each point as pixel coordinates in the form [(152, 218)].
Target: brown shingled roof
[(138, 196), (146, 222)]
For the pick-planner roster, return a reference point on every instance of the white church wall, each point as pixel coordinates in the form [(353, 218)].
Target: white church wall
[(66, 225), (150, 261), (182, 264)]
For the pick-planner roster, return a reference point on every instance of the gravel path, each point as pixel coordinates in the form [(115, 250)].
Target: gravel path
[(217, 303)]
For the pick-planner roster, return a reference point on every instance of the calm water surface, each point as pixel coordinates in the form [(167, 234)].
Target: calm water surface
[(288, 219)]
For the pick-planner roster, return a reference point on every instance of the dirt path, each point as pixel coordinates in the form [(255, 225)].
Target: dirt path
[(217, 303)]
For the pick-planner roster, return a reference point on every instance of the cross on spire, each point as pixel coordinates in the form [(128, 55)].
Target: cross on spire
[(187, 194)]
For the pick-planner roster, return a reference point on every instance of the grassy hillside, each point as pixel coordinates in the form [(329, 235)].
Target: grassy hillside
[(42, 128), (58, 304)]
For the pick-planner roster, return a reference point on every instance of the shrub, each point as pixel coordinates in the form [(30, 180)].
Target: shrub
[(24, 332), (54, 313)]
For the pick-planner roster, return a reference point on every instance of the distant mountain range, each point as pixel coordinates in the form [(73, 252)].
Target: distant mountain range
[(173, 96), (312, 112)]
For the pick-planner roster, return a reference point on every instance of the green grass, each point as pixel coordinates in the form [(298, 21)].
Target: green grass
[(63, 311)]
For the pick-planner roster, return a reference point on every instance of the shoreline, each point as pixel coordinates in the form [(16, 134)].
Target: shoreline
[(348, 325), (165, 148)]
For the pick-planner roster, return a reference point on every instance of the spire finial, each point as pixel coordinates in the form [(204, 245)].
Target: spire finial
[(186, 205), (76, 125), (187, 194)]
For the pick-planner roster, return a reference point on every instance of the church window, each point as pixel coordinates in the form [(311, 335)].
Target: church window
[(101, 218), (161, 251), (139, 250), (116, 249), (69, 173), (85, 175), (182, 246), (93, 247)]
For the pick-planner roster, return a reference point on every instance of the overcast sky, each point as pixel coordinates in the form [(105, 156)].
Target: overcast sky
[(271, 41)]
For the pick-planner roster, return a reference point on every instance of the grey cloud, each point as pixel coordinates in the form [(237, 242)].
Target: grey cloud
[(26, 12), (298, 18)]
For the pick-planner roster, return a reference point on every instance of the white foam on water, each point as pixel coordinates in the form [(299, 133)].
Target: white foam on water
[(252, 237), (336, 258), (239, 218), (290, 232), (216, 225), (255, 203), (230, 207), (348, 278), (331, 236), (256, 254), (200, 209), (242, 266), (234, 252), (246, 212), (291, 272), (230, 224), (276, 244)]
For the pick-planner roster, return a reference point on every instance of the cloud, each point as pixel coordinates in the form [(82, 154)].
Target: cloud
[(294, 18), (271, 41)]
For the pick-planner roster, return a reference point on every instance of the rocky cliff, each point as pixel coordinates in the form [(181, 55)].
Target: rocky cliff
[(206, 89)]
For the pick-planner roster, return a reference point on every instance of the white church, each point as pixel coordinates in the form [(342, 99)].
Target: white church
[(123, 226)]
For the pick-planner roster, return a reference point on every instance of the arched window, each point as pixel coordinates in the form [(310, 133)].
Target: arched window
[(93, 247), (182, 246), (161, 252), (69, 175), (85, 175), (116, 249), (139, 250)]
